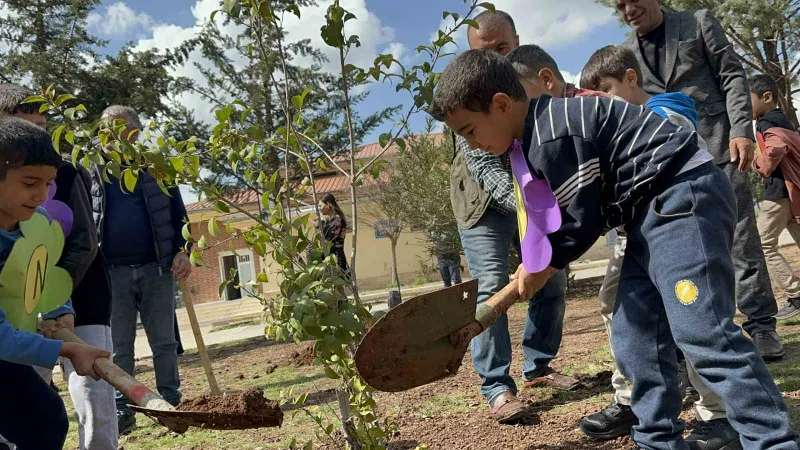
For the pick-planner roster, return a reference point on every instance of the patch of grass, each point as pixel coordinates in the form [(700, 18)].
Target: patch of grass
[(446, 405), (593, 364), (233, 325), (222, 345), (420, 282), (787, 371)]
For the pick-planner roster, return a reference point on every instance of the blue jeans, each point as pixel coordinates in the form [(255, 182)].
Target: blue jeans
[(450, 270), (486, 246), (151, 291), (676, 286), (32, 415)]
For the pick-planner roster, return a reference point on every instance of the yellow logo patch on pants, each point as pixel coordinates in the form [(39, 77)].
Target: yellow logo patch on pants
[(686, 291)]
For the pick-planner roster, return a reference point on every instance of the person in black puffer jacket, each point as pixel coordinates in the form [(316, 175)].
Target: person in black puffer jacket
[(141, 238)]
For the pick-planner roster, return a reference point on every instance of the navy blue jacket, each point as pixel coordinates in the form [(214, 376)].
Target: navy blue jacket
[(167, 215)]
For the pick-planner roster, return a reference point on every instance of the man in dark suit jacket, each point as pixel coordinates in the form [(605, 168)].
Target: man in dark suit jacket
[(688, 52)]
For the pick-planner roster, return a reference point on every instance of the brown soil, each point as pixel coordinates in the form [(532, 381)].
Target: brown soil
[(303, 356), (451, 413), (250, 403)]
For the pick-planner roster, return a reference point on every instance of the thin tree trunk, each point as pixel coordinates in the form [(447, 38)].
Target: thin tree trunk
[(348, 429), (354, 204), (395, 277)]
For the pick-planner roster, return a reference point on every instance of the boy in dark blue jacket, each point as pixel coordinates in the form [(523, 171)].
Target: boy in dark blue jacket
[(610, 164)]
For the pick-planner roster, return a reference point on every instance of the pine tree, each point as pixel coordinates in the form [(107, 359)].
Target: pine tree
[(48, 42)]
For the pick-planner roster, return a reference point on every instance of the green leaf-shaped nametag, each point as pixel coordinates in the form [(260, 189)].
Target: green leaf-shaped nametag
[(30, 282)]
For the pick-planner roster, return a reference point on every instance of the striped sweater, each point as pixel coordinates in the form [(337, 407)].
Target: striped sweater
[(604, 159)]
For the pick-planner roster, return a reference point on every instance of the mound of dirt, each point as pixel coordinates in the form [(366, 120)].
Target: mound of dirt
[(303, 356), (250, 403)]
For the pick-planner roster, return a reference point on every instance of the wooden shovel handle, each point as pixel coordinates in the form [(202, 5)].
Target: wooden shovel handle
[(498, 304), (111, 373)]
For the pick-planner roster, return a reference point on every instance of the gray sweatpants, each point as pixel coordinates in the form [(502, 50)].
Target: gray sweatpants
[(93, 400)]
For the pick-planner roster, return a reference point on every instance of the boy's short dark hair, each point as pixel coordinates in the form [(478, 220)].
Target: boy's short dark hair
[(528, 60), (24, 144), (610, 61), (762, 83), (11, 98), (471, 80)]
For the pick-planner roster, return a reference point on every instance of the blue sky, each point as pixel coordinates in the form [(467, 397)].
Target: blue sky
[(570, 30), (409, 23)]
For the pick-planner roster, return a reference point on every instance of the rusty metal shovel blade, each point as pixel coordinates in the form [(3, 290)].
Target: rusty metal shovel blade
[(411, 346), (154, 406), (180, 421)]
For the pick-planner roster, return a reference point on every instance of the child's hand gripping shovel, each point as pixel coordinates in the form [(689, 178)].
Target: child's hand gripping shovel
[(425, 338), (155, 407)]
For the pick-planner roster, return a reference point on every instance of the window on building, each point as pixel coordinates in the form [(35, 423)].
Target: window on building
[(242, 263)]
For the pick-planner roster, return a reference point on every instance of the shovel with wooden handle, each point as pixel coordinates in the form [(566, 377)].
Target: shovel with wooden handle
[(154, 406), (424, 339)]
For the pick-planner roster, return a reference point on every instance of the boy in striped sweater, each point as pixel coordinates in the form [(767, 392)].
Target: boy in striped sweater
[(610, 164), (616, 71)]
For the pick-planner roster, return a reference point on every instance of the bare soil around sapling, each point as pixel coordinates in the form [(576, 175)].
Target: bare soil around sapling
[(448, 414)]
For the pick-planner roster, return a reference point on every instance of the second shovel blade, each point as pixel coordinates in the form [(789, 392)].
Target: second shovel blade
[(410, 346)]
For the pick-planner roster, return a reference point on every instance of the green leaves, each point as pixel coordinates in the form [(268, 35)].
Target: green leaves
[(333, 31), (213, 227), (35, 99), (232, 8), (56, 138), (129, 178), (298, 100), (186, 233), (63, 98)]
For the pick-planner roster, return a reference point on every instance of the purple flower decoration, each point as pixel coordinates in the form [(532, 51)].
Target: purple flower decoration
[(538, 213), (58, 211)]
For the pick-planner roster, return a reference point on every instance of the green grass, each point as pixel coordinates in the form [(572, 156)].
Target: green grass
[(233, 325), (446, 405), (593, 364), (787, 371), (420, 282)]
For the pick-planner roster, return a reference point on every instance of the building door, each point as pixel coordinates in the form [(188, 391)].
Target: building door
[(242, 264)]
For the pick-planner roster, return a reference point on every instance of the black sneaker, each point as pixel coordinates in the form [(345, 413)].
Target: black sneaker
[(768, 345), (126, 422), (612, 422), (714, 435), (791, 309)]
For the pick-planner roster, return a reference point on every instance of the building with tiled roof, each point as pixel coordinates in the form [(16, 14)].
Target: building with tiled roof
[(374, 250)]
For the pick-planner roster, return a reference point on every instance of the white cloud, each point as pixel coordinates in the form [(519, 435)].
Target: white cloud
[(398, 51), (547, 23), (374, 36), (369, 28), (118, 20), (570, 78)]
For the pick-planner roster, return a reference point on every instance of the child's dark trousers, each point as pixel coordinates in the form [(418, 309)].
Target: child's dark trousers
[(32, 415), (677, 286)]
